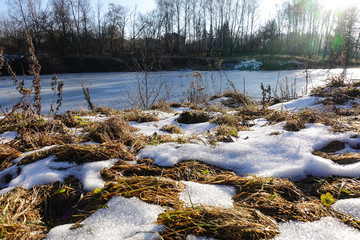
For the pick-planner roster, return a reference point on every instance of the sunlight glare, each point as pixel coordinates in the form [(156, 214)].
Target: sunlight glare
[(338, 4)]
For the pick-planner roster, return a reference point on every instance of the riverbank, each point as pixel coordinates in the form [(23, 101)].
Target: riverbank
[(55, 64)]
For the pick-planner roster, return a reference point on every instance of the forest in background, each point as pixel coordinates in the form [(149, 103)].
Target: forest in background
[(75, 36)]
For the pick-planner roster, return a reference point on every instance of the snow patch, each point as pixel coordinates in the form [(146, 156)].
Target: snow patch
[(248, 65), (48, 170), (348, 206), (259, 152), (7, 136), (325, 228), (298, 104), (205, 194), (123, 218)]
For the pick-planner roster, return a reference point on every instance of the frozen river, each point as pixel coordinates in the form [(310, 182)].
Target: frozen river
[(115, 89)]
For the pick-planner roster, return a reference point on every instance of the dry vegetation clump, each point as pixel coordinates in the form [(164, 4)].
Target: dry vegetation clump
[(40, 133), (112, 129), (294, 124), (224, 130), (227, 119), (83, 153), (7, 154), (194, 116), (106, 111), (219, 223), (21, 214), (141, 141), (71, 120), (182, 171), (337, 91), (176, 105), (216, 108), (171, 128), (163, 106), (340, 188), (237, 99), (136, 115)]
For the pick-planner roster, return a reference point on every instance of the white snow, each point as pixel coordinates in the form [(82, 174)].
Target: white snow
[(7, 136), (324, 229), (249, 65), (48, 170), (298, 104), (197, 194), (122, 219), (288, 154), (348, 206), (149, 128)]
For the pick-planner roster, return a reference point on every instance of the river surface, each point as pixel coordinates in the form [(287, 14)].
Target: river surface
[(118, 90)]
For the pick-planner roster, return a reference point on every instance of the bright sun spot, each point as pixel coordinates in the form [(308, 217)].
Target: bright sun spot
[(339, 4)]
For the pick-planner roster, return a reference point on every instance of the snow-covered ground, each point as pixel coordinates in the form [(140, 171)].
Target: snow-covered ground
[(267, 150)]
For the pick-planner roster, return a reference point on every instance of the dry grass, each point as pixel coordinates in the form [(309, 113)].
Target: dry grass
[(7, 154), (340, 188), (83, 153), (71, 120), (21, 214), (219, 223), (136, 115), (237, 99), (195, 116), (35, 132), (114, 128), (171, 128), (183, 171), (163, 106)]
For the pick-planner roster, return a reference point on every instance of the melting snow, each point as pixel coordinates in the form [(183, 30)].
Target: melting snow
[(47, 171), (122, 219), (348, 206), (205, 194), (260, 152), (324, 229), (298, 104), (7, 136)]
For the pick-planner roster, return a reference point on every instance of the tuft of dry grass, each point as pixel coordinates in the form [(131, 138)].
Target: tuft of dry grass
[(237, 99), (219, 223), (171, 128), (83, 153), (182, 171), (7, 154), (194, 116), (71, 120), (340, 188), (114, 128), (21, 214), (136, 115), (163, 106)]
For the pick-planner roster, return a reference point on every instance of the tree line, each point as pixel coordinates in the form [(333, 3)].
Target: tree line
[(75, 29)]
